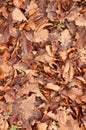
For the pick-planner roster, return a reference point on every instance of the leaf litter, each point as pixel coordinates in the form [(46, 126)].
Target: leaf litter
[(43, 65)]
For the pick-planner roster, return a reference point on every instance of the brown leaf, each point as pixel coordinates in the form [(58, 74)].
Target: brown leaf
[(44, 58), (52, 87), (41, 35), (3, 123), (27, 106), (71, 124), (65, 38), (42, 126), (17, 15), (80, 21), (49, 51), (18, 3), (74, 93)]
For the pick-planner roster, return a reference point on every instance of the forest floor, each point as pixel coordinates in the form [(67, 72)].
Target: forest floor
[(42, 64)]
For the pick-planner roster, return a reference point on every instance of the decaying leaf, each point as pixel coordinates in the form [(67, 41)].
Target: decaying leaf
[(3, 123), (41, 35), (52, 87), (27, 106), (65, 38), (80, 21), (42, 126), (49, 51), (17, 15), (44, 58), (18, 3)]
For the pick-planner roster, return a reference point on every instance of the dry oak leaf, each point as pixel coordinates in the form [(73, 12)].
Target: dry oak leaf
[(71, 124), (44, 58), (42, 126), (80, 21), (48, 49), (32, 8), (3, 123), (65, 38), (18, 3), (27, 107), (52, 86), (41, 35), (17, 15)]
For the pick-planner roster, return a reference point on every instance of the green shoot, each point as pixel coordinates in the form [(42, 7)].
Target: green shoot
[(59, 26)]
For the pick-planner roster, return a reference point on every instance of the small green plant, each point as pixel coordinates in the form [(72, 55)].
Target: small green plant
[(41, 76), (21, 71), (59, 26), (13, 127), (10, 111)]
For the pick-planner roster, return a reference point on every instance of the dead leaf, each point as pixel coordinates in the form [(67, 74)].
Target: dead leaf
[(42, 126), (44, 58), (49, 51), (3, 123), (52, 87), (71, 124), (80, 21), (4, 12), (65, 38), (63, 54), (17, 15), (18, 3), (27, 106), (41, 35), (62, 117), (74, 93), (32, 8)]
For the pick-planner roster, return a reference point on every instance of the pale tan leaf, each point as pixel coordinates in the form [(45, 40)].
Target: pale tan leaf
[(44, 58), (71, 72), (3, 123), (18, 3), (83, 98), (42, 126), (17, 15), (63, 54), (41, 35), (71, 124), (80, 21), (49, 51), (47, 69), (27, 106), (52, 87), (32, 8), (74, 93), (62, 117), (81, 79), (65, 38), (66, 67)]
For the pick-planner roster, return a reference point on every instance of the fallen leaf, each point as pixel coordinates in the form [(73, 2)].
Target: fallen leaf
[(49, 51), (3, 123), (65, 38), (27, 107), (80, 21), (42, 126), (44, 58), (18, 3), (74, 93), (41, 35), (17, 15), (52, 87)]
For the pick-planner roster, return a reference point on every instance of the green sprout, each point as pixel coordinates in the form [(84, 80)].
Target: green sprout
[(59, 26), (10, 111), (13, 127), (21, 71)]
